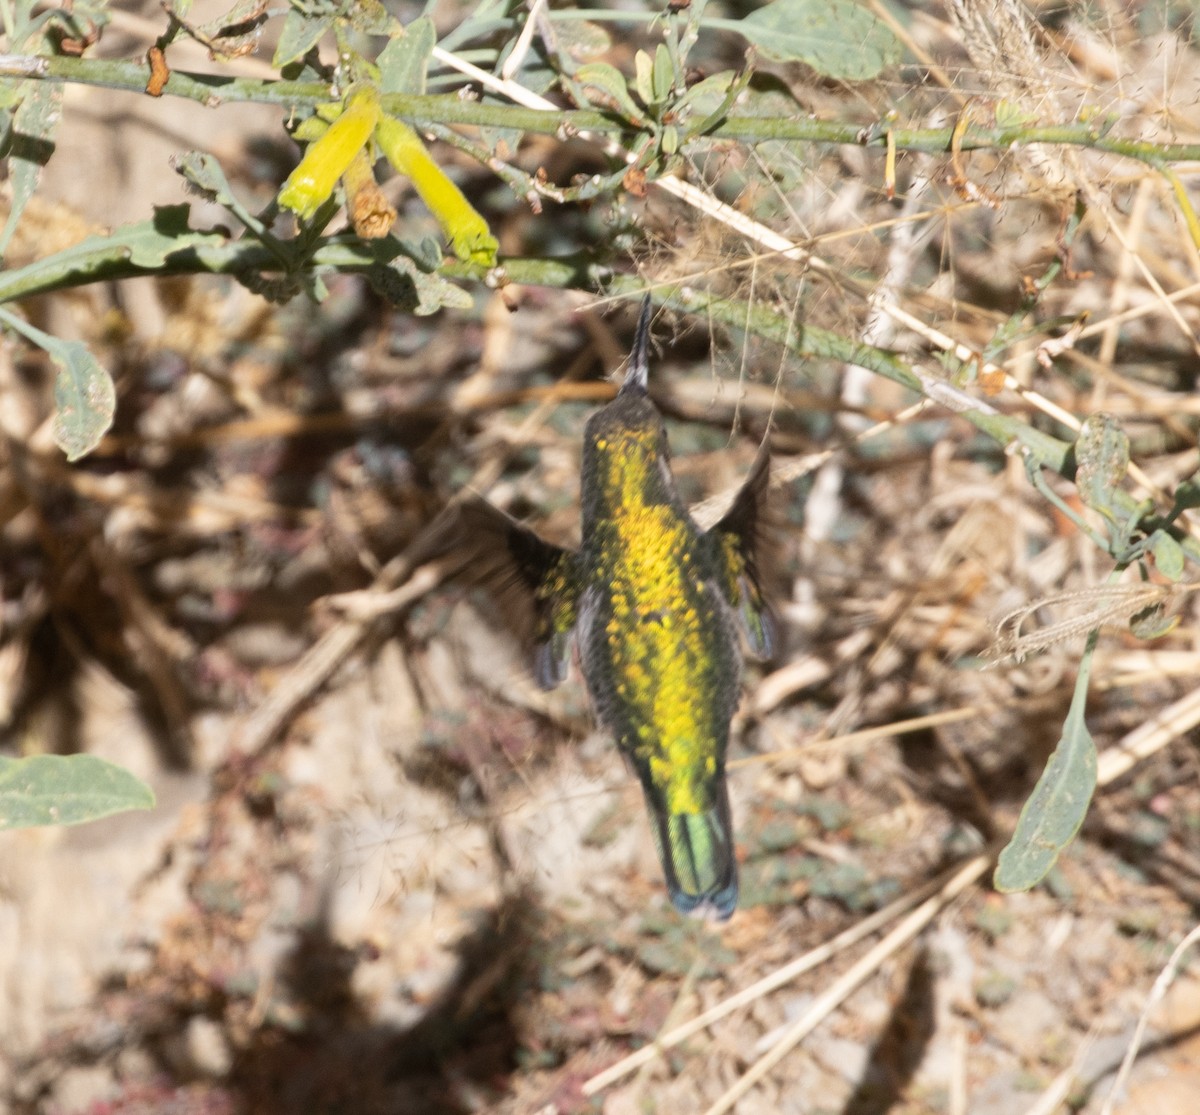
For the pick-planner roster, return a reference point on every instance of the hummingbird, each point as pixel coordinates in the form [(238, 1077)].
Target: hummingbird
[(655, 610)]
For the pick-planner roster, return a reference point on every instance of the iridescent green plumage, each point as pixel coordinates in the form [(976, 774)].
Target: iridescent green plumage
[(655, 604)]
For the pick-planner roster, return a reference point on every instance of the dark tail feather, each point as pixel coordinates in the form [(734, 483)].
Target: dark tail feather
[(696, 850)]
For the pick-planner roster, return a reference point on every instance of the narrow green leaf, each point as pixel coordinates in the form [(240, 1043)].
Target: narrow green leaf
[(611, 82), (1101, 461), (1059, 802), (7, 128), (837, 38), (66, 790), (30, 147), (643, 70), (404, 62), (663, 77), (300, 33), (149, 244)]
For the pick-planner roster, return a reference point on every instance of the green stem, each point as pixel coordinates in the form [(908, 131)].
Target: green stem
[(803, 341), (111, 260), (448, 109), (30, 332)]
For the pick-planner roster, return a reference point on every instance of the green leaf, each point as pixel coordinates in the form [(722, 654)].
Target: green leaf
[(1009, 114), (1168, 555), (1152, 622), (1187, 495), (233, 33), (404, 62), (6, 133), (1059, 802), (663, 77), (30, 148), (705, 97), (643, 82), (611, 82), (581, 40), (299, 35), (837, 38), (149, 244), (203, 172), (66, 790), (1101, 461), (407, 285), (84, 396)]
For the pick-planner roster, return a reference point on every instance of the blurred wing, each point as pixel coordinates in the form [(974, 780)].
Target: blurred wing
[(739, 537), (535, 582)]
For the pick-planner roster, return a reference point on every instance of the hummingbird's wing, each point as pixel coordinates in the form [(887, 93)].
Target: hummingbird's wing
[(538, 577), (739, 540)]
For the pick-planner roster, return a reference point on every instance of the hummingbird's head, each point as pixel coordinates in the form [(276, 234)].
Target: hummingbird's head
[(625, 443), (631, 426)]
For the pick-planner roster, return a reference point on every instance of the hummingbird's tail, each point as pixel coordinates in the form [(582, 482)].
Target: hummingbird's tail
[(696, 850)]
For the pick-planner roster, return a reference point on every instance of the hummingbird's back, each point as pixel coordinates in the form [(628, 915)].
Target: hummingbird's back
[(658, 646)]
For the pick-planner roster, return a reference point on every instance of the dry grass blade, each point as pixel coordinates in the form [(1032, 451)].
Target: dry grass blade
[(1060, 1087), (963, 878), (1161, 729), (1165, 978), (1097, 606), (777, 979)]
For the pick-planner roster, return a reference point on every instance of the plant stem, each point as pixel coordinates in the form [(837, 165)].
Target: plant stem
[(214, 90)]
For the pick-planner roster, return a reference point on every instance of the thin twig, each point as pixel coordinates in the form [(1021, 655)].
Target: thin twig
[(779, 978), (962, 879), (1165, 978)]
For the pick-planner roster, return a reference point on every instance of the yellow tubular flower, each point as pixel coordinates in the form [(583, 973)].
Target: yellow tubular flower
[(326, 159), (468, 233)]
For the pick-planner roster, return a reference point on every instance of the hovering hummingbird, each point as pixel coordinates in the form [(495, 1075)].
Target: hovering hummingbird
[(653, 604)]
